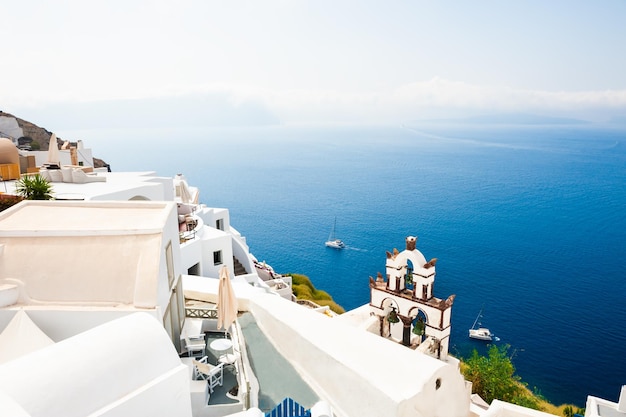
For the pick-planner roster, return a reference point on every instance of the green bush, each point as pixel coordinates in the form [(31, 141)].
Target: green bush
[(34, 187), (322, 295), (528, 401), (568, 411), (493, 376), (304, 289), (303, 292)]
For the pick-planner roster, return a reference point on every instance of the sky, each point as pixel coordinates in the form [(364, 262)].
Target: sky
[(69, 62)]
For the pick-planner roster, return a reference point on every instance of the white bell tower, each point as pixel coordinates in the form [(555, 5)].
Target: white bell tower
[(407, 297)]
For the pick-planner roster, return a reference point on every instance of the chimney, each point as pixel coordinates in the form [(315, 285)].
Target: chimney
[(73, 156)]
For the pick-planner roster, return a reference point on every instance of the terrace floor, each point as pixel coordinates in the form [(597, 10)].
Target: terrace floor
[(277, 378), (219, 395), (230, 377)]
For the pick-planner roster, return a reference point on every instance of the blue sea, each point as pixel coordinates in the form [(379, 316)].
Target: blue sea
[(527, 222)]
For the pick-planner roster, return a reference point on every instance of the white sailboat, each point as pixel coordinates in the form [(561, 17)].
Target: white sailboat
[(332, 241), (481, 333)]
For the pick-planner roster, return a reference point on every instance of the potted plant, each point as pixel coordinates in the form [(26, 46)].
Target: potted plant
[(34, 187)]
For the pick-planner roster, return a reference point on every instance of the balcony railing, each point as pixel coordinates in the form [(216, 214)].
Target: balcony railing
[(201, 312)]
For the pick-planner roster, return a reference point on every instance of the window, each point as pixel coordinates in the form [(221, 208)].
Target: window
[(217, 257), (219, 224)]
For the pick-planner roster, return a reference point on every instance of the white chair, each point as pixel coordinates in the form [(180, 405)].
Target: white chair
[(195, 345), (80, 177), (66, 174), (213, 374), (45, 174), (55, 175)]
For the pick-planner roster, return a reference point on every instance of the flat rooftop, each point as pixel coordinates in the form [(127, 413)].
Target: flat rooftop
[(118, 186), (70, 217)]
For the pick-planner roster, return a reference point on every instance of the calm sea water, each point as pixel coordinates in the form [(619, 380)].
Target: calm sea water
[(528, 222)]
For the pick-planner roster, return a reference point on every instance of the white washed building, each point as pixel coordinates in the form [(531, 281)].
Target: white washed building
[(102, 281)]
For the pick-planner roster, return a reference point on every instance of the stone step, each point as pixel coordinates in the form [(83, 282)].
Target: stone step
[(239, 268)]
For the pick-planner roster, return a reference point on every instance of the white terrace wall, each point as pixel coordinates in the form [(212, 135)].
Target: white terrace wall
[(191, 252), (89, 265), (84, 156), (63, 322), (169, 237), (358, 373), (117, 190), (214, 240)]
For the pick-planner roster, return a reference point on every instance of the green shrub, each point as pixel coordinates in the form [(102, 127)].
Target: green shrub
[(322, 295), (304, 289), (528, 401), (303, 292), (34, 187), (493, 376)]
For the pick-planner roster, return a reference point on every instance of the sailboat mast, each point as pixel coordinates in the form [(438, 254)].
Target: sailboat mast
[(477, 317), (332, 231)]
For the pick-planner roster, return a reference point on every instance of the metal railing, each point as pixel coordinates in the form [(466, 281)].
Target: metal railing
[(201, 312)]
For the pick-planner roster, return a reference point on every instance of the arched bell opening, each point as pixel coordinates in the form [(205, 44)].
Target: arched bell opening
[(390, 318), (419, 320), (408, 277)]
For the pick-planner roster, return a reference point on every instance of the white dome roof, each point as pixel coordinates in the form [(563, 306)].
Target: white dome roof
[(9, 153), (91, 371)]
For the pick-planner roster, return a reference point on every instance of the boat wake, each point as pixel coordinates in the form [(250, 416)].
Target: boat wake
[(355, 249)]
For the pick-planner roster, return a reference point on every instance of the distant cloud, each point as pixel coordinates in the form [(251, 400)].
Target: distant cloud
[(192, 110), (440, 98), (217, 105), (445, 93)]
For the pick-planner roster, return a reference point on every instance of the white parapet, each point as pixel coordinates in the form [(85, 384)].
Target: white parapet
[(337, 360), (621, 405)]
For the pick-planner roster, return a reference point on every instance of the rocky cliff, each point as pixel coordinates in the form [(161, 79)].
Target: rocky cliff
[(39, 138)]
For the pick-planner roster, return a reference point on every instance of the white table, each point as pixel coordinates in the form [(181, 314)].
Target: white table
[(220, 345)]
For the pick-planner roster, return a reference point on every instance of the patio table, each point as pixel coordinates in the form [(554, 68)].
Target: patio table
[(220, 345)]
